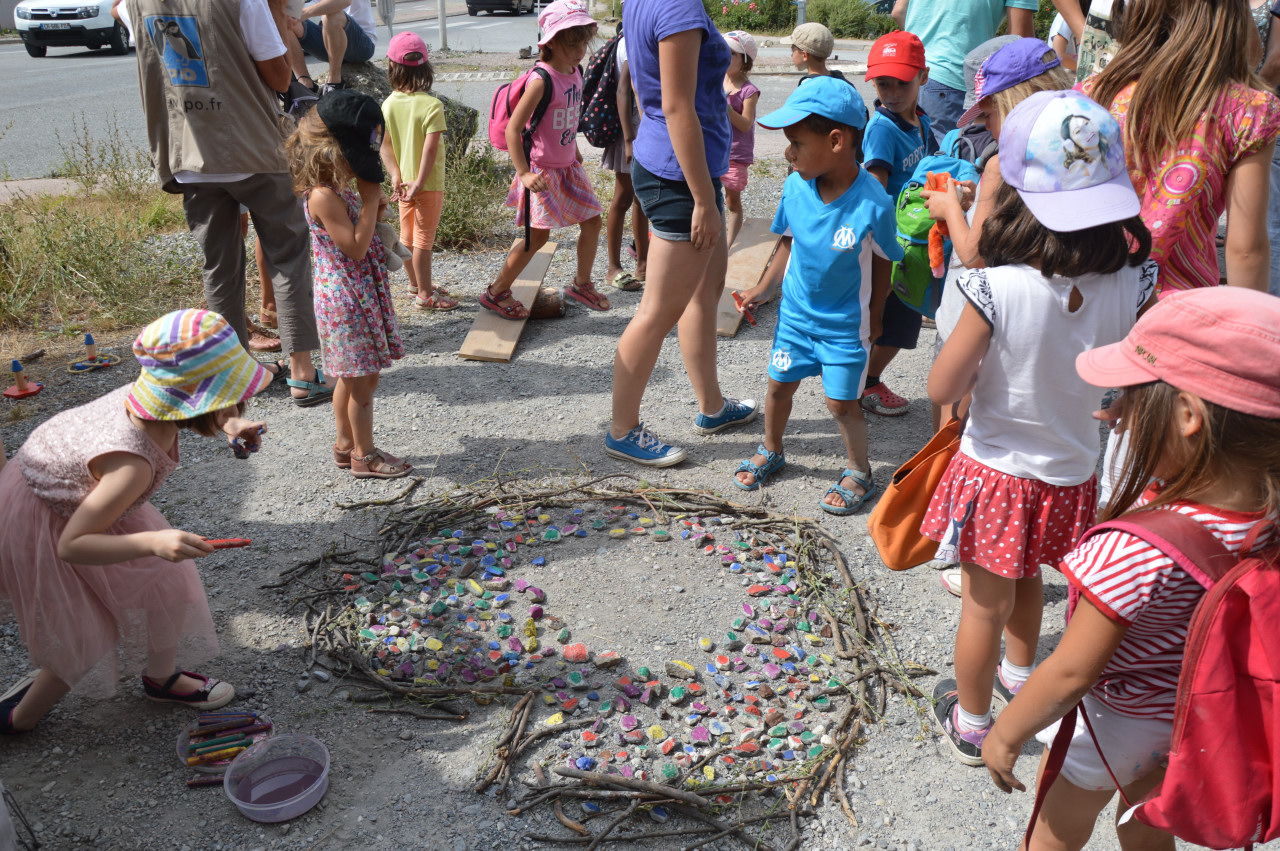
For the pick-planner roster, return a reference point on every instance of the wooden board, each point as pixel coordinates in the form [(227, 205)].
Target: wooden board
[(493, 338), (747, 258)]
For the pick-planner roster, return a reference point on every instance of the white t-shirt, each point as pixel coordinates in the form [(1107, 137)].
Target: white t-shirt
[(262, 38), (1059, 27), (361, 11), (1032, 414)]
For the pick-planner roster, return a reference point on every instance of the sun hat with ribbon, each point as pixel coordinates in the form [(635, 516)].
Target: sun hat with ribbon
[(192, 363)]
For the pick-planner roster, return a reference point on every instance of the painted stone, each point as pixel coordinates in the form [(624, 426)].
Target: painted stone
[(680, 670), (576, 653)]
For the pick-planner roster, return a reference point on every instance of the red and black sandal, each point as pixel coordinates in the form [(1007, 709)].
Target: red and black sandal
[(587, 294), (213, 695), (511, 310)]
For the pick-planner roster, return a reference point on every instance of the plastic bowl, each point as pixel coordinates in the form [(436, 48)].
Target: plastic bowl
[(184, 738), (279, 778)]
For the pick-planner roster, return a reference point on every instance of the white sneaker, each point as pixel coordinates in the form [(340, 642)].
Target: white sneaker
[(950, 579)]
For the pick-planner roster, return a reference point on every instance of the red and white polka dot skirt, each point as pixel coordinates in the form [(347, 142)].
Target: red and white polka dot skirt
[(1006, 524)]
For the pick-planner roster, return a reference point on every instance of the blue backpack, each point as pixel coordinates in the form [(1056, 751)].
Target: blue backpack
[(912, 280)]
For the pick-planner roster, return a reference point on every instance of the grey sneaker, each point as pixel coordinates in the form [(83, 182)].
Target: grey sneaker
[(734, 413), (967, 746)]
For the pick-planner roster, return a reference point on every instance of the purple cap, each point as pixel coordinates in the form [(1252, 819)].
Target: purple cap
[(1016, 62), (1064, 154)]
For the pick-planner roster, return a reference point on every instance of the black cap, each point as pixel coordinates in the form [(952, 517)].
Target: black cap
[(355, 120)]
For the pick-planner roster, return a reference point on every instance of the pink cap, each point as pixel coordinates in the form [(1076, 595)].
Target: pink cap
[(403, 46), (1220, 343), (561, 15)]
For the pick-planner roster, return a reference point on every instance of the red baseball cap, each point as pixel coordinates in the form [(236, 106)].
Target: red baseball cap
[(1220, 343), (897, 54)]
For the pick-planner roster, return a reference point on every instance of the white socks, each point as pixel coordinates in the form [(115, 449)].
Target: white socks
[(1014, 675), (967, 722)]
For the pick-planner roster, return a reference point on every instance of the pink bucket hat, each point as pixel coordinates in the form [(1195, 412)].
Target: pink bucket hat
[(561, 15), (1220, 343), (403, 46)]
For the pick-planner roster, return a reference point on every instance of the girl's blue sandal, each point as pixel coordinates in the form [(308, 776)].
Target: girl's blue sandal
[(852, 501), (773, 462)]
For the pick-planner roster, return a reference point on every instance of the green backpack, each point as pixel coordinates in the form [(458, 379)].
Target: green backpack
[(912, 280)]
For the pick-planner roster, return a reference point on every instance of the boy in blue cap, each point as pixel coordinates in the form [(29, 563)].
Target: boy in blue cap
[(833, 217)]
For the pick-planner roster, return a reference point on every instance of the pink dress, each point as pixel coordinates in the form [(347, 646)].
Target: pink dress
[(1185, 196), (354, 313), (91, 624)]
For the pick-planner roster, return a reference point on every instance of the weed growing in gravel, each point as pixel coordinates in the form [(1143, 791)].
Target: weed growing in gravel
[(113, 165), (475, 188)]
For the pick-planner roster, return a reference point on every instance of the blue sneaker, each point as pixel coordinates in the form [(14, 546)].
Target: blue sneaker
[(641, 447), (734, 413)]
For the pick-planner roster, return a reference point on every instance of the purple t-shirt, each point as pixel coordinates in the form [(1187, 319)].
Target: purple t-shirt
[(646, 22), (743, 149)]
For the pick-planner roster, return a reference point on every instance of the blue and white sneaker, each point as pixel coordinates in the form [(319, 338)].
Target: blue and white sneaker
[(641, 447), (734, 413)]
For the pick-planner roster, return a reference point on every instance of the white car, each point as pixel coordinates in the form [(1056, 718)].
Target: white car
[(50, 23)]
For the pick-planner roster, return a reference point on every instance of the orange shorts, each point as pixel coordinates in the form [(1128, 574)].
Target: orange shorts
[(419, 218)]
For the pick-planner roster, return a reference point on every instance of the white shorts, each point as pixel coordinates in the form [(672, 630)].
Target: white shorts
[(1134, 747)]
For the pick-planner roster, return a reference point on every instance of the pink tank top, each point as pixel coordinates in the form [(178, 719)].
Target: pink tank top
[(55, 458), (553, 141)]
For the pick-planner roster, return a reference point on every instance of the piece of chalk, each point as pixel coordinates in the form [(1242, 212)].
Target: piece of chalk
[(227, 543), (205, 780)]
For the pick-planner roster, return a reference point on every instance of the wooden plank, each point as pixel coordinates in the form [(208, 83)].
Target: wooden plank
[(493, 338), (747, 259)]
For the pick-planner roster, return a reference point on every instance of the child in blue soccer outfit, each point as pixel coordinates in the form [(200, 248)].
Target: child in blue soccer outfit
[(833, 216), (898, 136)]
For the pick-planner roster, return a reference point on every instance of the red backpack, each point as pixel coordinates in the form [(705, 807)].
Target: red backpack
[(1222, 786)]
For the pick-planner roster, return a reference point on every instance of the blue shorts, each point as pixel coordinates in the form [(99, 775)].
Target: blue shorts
[(842, 364), (668, 204), (900, 327), (359, 46)]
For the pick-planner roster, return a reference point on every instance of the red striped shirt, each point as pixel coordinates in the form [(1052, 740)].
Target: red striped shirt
[(1133, 583)]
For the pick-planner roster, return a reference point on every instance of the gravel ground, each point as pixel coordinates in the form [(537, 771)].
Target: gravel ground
[(104, 774)]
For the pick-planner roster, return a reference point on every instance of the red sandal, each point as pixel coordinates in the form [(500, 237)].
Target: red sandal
[(512, 310), (588, 295)]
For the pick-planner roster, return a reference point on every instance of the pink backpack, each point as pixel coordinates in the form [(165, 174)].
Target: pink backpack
[(1222, 786), (504, 103)]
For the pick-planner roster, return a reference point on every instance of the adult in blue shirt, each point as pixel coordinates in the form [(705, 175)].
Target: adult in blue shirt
[(949, 30), (680, 152)]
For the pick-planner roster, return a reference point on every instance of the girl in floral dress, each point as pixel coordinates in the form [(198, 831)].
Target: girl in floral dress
[(336, 143)]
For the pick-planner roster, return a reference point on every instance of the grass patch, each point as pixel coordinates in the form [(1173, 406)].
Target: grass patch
[(92, 259), (477, 183)]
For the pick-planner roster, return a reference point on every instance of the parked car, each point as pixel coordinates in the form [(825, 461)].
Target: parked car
[(515, 7), (49, 23)]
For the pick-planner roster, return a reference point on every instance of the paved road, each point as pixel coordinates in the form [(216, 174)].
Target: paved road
[(44, 100)]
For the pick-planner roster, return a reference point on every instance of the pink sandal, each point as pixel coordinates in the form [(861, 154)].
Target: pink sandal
[(588, 295), (512, 310)]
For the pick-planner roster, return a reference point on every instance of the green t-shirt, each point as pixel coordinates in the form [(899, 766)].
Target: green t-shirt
[(949, 29), (410, 117)]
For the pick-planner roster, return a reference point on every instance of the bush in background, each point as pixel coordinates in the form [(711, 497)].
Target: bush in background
[(754, 16), (850, 18), (476, 185)]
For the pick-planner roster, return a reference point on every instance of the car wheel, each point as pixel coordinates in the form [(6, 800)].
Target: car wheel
[(36, 50), (119, 40), (471, 11)]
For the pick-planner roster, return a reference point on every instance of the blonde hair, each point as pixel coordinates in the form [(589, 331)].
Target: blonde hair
[(1055, 79), (1200, 43), (315, 157), (1231, 445)]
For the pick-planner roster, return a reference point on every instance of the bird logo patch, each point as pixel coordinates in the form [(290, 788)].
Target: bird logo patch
[(177, 40)]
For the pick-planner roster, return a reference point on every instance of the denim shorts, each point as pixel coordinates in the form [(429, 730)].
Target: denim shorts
[(944, 106), (900, 327), (359, 46), (668, 204)]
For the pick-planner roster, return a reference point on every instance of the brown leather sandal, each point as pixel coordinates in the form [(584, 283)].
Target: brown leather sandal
[(379, 465), (341, 458)]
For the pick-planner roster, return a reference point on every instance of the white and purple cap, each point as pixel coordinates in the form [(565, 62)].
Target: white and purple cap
[(1012, 63), (561, 15), (1065, 155)]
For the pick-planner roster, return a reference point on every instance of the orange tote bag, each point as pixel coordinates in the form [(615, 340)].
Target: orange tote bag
[(895, 522)]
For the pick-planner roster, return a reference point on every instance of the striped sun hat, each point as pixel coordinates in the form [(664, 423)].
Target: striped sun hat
[(192, 363)]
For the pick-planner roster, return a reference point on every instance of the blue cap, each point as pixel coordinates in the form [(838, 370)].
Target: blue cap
[(829, 97)]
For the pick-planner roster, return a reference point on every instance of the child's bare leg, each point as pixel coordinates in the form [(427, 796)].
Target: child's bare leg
[(346, 440), (853, 429), (46, 691), (517, 259), (360, 412), (640, 229), (1133, 834), (1022, 632), (623, 198), (987, 601), (264, 279), (733, 212), (588, 243), (420, 272), (777, 410)]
